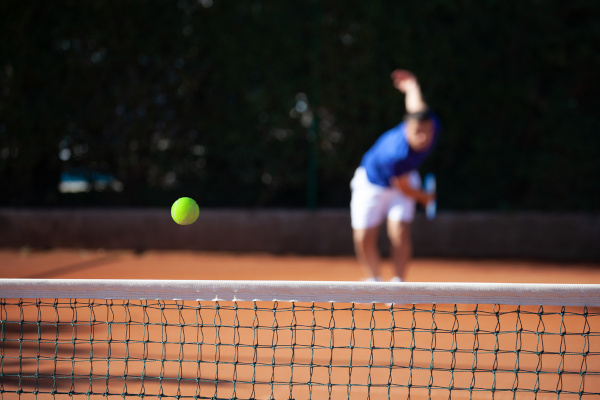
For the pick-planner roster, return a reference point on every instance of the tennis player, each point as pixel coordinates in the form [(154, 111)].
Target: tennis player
[(386, 186)]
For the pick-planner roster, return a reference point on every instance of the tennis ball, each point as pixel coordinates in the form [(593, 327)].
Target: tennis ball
[(185, 211)]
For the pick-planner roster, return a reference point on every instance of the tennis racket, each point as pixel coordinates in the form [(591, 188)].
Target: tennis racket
[(429, 187)]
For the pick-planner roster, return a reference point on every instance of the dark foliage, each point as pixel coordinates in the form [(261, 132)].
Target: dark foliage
[(267, 103)]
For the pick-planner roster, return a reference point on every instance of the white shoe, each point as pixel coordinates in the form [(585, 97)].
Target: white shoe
[(372, 279)]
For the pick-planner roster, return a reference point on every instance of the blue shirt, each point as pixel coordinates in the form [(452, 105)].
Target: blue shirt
[(391, 155)]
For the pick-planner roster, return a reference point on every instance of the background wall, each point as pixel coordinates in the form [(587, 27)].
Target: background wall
[(573, 237)]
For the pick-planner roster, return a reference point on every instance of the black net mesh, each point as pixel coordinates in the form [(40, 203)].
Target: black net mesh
[(52, 348)]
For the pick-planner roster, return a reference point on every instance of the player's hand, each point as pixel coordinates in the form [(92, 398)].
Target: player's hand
[(404, 80), (426, 198)]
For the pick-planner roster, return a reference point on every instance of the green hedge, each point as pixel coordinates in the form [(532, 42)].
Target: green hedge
[(196, 98)]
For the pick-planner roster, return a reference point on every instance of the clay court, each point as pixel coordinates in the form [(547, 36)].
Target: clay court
[(127, 264), (136, 345)]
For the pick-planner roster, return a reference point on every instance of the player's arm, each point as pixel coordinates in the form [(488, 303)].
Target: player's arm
[(406, 82), (403, 183)]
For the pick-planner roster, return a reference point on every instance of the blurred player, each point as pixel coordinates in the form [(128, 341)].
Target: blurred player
[(386, 185)]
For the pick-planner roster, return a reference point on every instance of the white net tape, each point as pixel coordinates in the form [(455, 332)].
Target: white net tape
[(306, 291)]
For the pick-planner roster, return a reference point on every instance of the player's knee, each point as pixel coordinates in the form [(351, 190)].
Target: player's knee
[(399, 234), (364, 237), (398, 240)]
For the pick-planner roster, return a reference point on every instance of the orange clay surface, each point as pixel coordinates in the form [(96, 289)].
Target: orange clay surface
[(136, 345), (99, 264)]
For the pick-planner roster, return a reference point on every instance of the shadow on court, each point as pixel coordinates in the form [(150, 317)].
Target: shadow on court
[(77, 267)]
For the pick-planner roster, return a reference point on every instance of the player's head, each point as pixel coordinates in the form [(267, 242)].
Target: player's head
[(420, 130)]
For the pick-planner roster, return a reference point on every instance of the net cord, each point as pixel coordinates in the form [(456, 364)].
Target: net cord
[(306, 291)]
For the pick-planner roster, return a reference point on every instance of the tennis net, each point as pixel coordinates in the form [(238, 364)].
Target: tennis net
[(297, 340)]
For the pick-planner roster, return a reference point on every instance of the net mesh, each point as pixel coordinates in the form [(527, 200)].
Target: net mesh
[(108, 348)]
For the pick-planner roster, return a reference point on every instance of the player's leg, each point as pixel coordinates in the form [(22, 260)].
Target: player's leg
[(400, 217), (368, 209), (399, 233), (367, 252)]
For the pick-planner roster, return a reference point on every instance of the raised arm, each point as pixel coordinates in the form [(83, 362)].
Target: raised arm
[(406, 82)]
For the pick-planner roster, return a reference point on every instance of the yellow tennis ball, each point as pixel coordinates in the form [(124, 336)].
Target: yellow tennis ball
[(185, 211)]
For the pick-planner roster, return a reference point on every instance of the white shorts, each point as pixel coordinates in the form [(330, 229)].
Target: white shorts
[(372, 204)]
